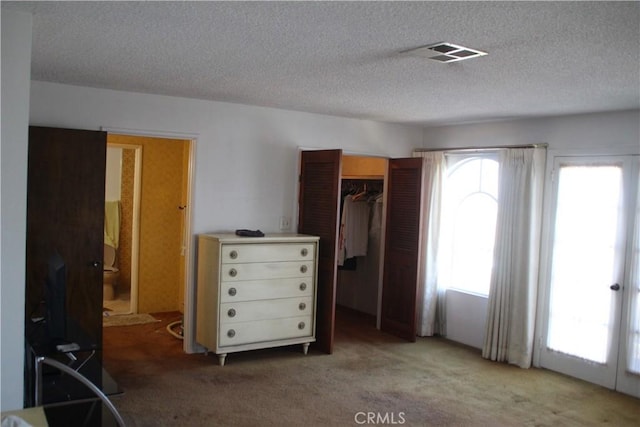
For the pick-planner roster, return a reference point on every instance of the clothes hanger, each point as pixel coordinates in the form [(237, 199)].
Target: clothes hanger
[(361, 194)]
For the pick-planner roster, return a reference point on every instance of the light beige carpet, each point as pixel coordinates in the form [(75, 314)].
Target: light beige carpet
[(127, 319), (432, 382)]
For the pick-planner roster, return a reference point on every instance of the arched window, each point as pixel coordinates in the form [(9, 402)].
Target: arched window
[(469, 210)]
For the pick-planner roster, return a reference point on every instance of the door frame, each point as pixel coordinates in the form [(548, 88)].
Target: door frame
[(135, 223), (549, 204), (189, 321), (627, 382)]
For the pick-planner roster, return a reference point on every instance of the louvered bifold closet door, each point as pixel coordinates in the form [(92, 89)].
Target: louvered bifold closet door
[(402, 248), (318, 216)]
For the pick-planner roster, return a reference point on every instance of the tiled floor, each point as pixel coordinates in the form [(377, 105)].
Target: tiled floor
[(120, 305)]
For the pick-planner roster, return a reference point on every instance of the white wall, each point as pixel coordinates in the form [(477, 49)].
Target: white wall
[(465, 316), (16, 69), (584, 132), (246, 157), (113, 179), (606, 133)]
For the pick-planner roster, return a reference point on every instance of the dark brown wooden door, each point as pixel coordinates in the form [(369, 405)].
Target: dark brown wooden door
[(65, 214), (402, 248), (319, 202)]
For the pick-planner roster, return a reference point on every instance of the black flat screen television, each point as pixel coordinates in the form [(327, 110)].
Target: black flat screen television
[(55, 300)]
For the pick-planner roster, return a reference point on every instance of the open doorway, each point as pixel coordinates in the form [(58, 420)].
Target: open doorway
[(358, 283), (123, 185), (148, 180)]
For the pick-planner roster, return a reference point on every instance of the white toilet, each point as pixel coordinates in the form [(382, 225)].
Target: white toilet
[(110, 273)]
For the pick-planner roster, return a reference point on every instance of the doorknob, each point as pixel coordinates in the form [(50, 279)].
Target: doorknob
[(615, 287), (95, 264)]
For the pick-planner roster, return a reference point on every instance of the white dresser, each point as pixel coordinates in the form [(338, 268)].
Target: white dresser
[(255, 292)]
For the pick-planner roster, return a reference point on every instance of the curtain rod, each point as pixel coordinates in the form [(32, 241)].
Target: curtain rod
[(424, 150)]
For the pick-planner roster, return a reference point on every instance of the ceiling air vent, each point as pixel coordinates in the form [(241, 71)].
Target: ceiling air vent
[(446, 52)]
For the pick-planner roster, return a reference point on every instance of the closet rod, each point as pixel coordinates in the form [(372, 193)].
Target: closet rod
[(425, 150)]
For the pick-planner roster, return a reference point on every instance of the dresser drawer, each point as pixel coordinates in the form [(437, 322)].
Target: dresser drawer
[(266, 270), (265, 330), (266, 289), (267, 252), (233, 312)]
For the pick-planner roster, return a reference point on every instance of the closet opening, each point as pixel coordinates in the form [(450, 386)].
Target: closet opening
[(360, 239)]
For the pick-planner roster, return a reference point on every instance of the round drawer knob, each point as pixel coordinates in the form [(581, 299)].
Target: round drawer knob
[(233, 254), (301, 325), (232, 292), (231, 312), (304, 252), (231, 333), (302, 306), (303, 286), (233, 272), (303, 269)]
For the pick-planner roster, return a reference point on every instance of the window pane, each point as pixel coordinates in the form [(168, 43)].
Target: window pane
[(468, 225), (584, 246), (473, 240)]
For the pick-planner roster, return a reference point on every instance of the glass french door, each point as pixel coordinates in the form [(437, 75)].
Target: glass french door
[(592, 309)]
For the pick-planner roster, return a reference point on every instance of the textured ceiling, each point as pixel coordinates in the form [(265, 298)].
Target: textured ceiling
[(344, 58)]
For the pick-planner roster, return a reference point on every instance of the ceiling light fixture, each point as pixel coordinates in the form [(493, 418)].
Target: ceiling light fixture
[(446, 52)]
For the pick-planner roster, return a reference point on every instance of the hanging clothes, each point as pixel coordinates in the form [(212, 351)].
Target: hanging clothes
[(354, 229), (375, 228)]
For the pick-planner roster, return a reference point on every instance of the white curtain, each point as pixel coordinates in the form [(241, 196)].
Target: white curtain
[(431, 316), (509, 331)]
